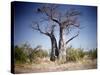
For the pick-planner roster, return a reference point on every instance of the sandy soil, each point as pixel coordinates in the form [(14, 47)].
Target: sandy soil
[(48, 66)]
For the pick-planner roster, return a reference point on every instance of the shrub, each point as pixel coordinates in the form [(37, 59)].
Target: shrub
[(41, 53), (74, 54), (93, 53), (25, 53), (81, 53), (37, 54), (20, 56)]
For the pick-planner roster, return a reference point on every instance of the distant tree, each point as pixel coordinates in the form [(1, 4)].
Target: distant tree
[(64, 21)]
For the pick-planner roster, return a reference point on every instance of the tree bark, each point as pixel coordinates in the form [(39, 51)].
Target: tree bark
[(54, 50), (61, 44)]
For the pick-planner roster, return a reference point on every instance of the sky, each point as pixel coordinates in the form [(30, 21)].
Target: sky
[(24, 15)]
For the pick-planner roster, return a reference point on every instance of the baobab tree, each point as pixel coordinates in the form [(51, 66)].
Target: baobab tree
[(64, 21)]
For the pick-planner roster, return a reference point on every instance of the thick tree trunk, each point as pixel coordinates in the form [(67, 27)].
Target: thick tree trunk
[(61, 44), (54, 50)]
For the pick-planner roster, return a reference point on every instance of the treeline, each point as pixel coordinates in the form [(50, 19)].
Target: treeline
[(26, 54)]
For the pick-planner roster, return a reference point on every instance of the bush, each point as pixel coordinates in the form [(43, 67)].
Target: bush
[(41, 53), (37, 54), (81, 53), (93, 53), (74, 54), (25, 53), (20, 56)]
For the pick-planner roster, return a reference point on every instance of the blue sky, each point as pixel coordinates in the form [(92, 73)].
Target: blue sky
[(24, 15)]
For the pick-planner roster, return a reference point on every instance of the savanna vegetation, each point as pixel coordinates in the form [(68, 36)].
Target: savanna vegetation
[(73, 54), (26, 54), (76, 58)]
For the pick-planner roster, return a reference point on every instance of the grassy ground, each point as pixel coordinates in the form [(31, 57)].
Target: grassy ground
[(44, 65)]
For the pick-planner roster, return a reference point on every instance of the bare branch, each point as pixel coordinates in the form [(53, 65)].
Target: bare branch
[(36, 26), (55, 21), (70, 23), (72, 12), (72, 38), (71, 19), (50, 12)]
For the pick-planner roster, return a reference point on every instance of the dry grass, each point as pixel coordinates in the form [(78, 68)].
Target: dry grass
[(47, 66)]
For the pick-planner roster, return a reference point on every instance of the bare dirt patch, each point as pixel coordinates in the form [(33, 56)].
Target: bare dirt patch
[(47, 66)]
